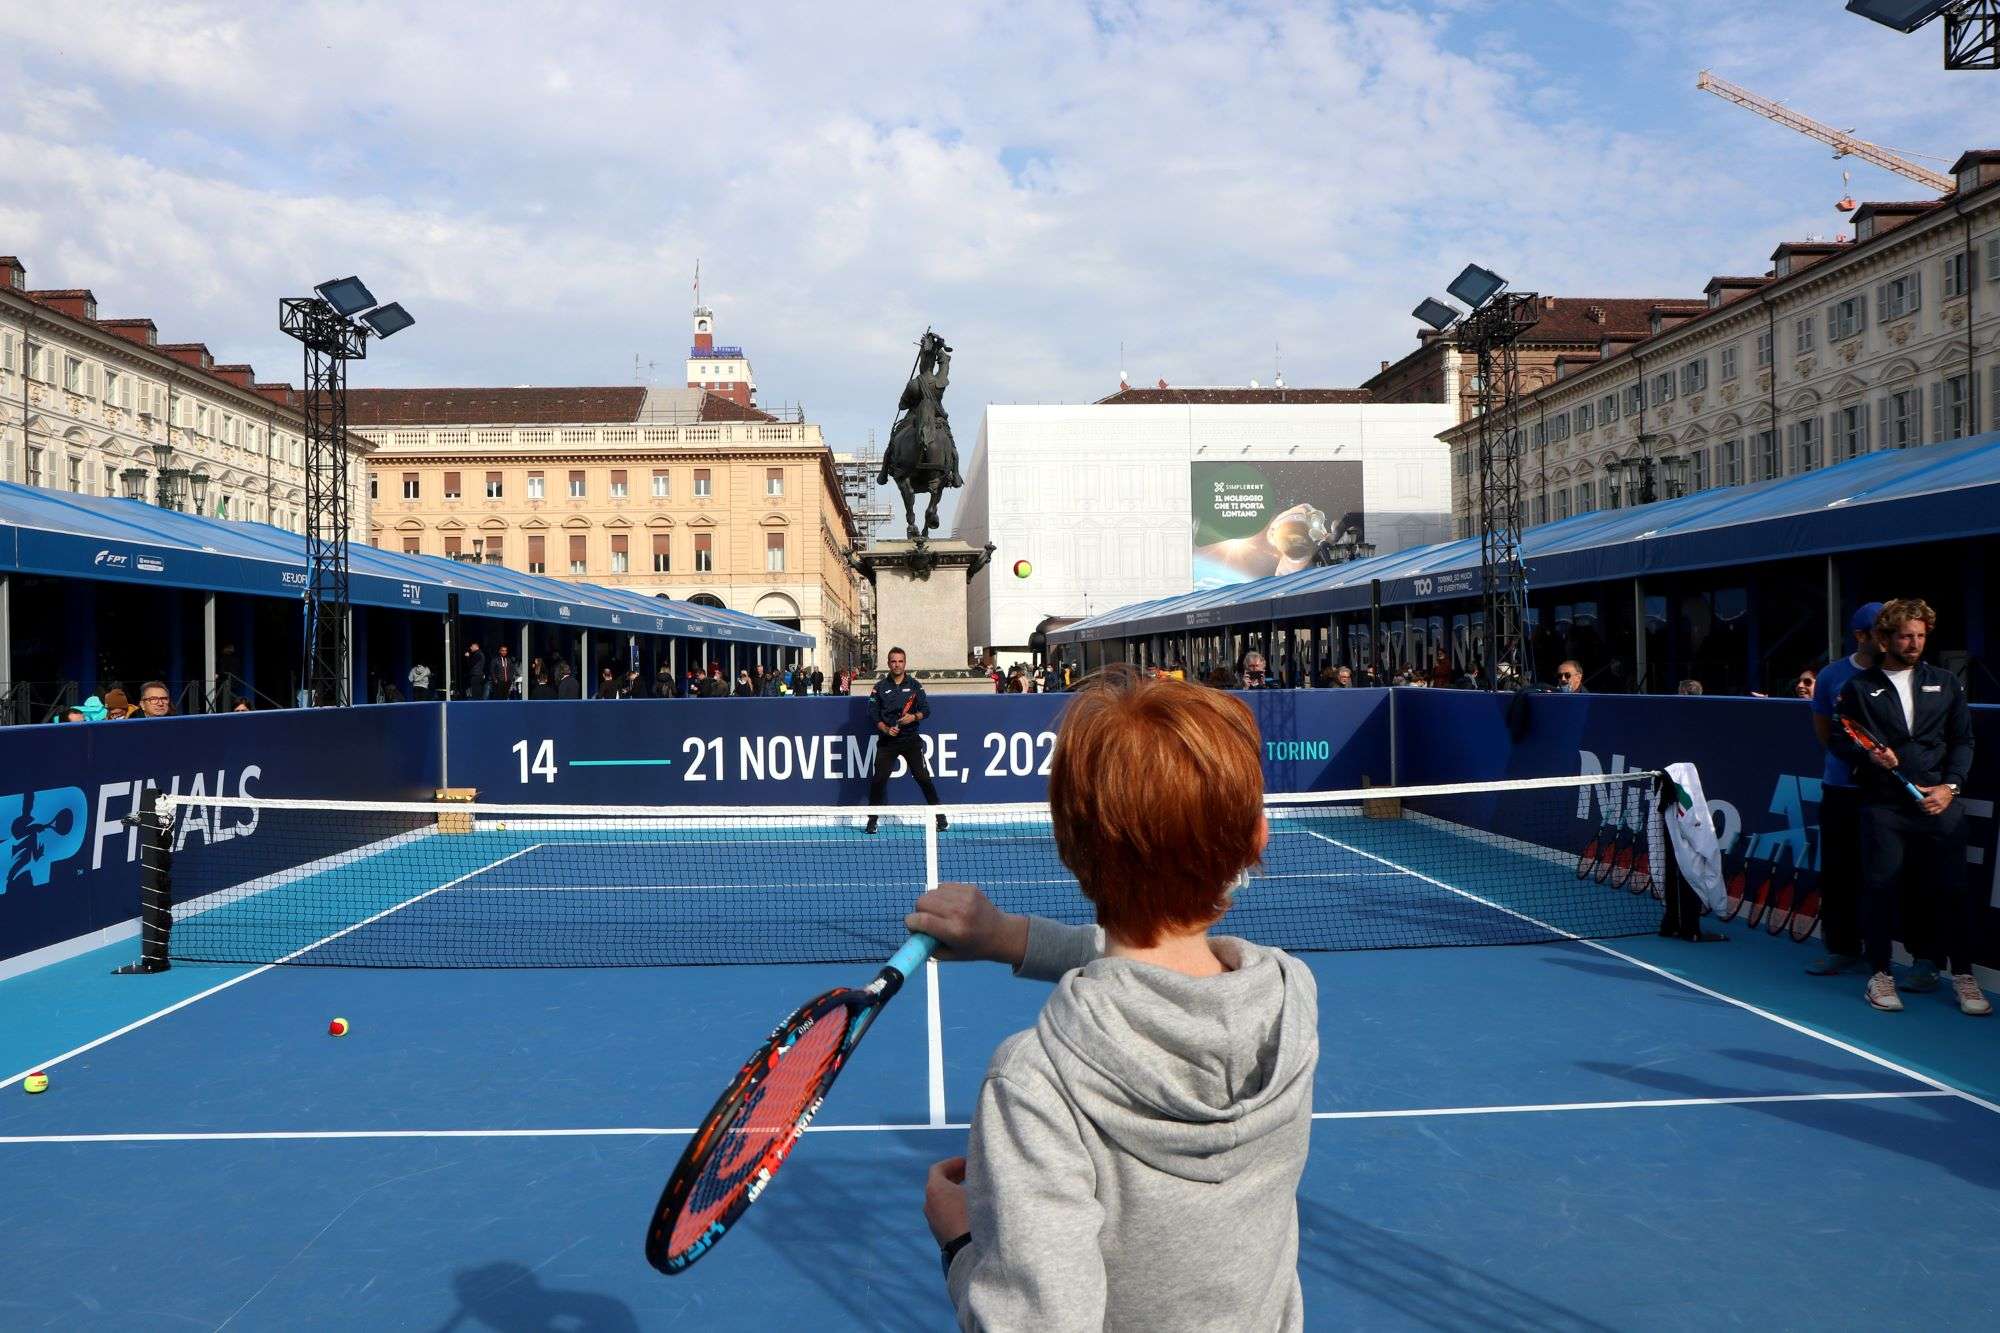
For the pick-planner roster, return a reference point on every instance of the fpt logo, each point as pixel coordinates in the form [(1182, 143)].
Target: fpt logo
[(42, 828), (111, 560)]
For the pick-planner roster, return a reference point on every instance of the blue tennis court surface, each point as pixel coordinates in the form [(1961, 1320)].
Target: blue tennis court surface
[(1550, 1136)]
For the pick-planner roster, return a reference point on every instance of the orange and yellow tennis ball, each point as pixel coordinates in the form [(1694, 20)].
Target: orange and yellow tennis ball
[(337, 1028), (1022, 569), (36, 1082)]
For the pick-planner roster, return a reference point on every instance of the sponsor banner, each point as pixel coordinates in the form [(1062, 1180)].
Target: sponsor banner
[(69, 863), (1759, 763), (819, 751), (1256, 519)]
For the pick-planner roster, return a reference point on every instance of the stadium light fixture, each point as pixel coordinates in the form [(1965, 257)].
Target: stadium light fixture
[(1902, 15), (1435, 313), (1475, 286), (348, 296), (389, 319)]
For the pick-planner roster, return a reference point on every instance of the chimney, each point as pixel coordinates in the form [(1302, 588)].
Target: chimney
[(1385, 365), (1595, 314), (1548, 303), (12, 275), (141, 331)]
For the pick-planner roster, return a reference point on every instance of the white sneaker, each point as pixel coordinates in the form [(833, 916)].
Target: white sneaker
[(1881, 993), (1971, 1000)]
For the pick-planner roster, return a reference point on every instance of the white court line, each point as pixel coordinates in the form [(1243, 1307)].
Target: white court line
[(256, 971), (1695, 986), (664, 1131), (936, 1024)]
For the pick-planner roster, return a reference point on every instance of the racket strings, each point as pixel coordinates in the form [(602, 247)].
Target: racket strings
[(759, 1135)]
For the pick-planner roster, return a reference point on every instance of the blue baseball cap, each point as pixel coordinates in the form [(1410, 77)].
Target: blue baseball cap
[(1864, 618)]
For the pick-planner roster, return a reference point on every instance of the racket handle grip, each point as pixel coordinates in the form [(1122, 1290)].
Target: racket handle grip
[(916, 951)]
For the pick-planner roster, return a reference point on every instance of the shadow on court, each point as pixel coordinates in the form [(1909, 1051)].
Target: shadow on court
[(509, 1298), (1390, 1272), (1921, 1130)]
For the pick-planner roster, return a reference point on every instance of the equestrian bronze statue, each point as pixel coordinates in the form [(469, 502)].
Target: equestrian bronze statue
[(921, 455)]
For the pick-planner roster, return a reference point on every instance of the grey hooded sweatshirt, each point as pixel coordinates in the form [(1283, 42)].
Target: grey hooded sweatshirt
[(1135, 1157)]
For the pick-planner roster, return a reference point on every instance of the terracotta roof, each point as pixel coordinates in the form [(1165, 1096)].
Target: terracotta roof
[(526, 407), (1136, 397)]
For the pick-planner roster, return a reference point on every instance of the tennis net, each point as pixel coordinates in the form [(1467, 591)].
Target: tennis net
[(335, 883)]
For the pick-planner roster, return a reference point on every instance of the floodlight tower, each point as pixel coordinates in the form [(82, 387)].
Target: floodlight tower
[(325, 324), (1496, 319), (1971, 27)]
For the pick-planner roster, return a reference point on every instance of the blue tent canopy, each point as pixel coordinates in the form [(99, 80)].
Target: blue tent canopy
[(126, 541), (1944, 491)]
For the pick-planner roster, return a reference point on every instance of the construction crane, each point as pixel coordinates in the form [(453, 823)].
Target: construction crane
[(1842, 143)]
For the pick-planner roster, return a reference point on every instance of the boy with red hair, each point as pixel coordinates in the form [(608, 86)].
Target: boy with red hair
[(1135, 1157)]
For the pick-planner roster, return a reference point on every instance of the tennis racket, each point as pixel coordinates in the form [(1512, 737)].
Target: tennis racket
[(1784, 892), (1598, 846), (1735, 880), (1758, 894), (759, 1118), (1859, 735)]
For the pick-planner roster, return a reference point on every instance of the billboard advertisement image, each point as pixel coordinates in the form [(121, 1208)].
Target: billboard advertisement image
[(1255, 519)]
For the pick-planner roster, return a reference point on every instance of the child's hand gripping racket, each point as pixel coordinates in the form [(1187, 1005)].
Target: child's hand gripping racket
[(1869, 745), (753, 1127)]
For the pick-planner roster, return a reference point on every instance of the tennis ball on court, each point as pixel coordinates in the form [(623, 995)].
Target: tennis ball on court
[(502, 826), (36, 1082), (1022, 569), (337, 1028)]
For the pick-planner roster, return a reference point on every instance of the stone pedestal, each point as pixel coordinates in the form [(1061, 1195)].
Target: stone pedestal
[(920, 592)]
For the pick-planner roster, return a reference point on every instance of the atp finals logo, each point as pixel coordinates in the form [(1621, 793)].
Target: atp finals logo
[(42, 828)]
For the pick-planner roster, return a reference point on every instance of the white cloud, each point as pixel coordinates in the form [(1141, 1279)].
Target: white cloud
[(1040, 181)]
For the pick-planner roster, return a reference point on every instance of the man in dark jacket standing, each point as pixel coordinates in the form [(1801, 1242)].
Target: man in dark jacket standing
[(474, 671), (500, 674), (567, 685), (897, 706), (1919, 715)]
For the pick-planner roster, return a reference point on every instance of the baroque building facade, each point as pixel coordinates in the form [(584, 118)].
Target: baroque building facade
[(1890, 340), (87, 405)]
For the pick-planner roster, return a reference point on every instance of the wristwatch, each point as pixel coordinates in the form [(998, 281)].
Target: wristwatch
[(1953, 786), (949, 1251)]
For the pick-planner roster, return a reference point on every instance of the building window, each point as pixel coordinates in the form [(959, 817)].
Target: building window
[(1562, 504), (618, 483), (1952, 403), (1850, 432), (1729, 356), (774, 481), (1559, 428), (1584, 501), (659, 483), (774, 553), (578, 563), (451, 547), (495, 487), (1694, 376), (1635, 400), (374, 487), (412, 489), (451, 486), (1763, 349), (1903, 419), (663, 553), (412, 546), (1802, 336), (1846, 318), (1700, 469), (1993, 259), (116, 385), (1899, 297), (537, 488), (1729, 463), (1663, 387), (621, 553), (1538, 435), (76, 375), (1955, 270), (538, 554), (1803, 444), (496, 551), (1607, 409), (576, 491), (1542, 508), (1585, 417), (76, 475), (1764, 455), (701, 481), (704, 554)]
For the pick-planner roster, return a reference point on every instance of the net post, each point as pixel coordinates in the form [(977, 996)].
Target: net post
[(156, 902)]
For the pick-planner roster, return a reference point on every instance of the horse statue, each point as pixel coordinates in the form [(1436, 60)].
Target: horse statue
[(921, 455)]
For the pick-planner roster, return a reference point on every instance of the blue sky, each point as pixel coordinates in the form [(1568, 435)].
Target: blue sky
[(1041, 181)]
